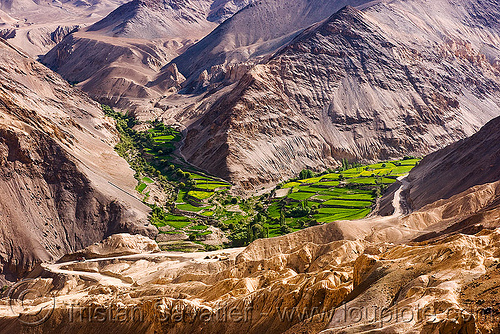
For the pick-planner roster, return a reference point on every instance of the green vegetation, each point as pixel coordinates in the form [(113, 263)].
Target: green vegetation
[(195, 200), (140, 188)]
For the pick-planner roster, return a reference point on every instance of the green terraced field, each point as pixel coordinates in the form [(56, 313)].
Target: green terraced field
[(331, 176), (311, 180), (211, 186), (147, 180), (328, 215), (198, 227), (140, 188), (201, 195), (345, 194), (178, 224), (300, 196), (208, 213), (328, 183), (291, 184), (347, 203), (189, 207), (306, 189), (323, 197)]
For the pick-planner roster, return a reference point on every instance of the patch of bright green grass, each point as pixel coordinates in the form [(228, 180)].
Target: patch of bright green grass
[(163, 138), (199, 177), (362, 180), (347, 193), (189, 207), (208, 213), (308, 189), (300, 196), (402, 170), (327, 183), (332, 214), (147, 180), (211, 186), (323, 197), (199, 227), (291, 184), (344, 203), (331, 176), (140, 188), (201, 195), (177, 218), (178, 224), (311, 180)]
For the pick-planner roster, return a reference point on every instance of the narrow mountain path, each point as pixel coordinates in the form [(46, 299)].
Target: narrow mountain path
[(398, 202), (177, 259)]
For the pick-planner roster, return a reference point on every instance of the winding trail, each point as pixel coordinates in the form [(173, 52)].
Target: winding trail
[(177, 259), (398, 202)]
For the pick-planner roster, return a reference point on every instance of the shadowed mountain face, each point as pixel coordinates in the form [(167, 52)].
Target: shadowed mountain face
[(460, 166), (62, 185), (347, 88)]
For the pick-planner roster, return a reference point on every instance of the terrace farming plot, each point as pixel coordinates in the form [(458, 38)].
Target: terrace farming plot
[(345, 194), (199, 200)]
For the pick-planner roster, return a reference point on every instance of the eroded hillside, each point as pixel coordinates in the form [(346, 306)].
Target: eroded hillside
[(63, 186), (387, 274)]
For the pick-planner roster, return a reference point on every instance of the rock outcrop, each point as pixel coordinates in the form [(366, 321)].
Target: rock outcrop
[(121, 244)]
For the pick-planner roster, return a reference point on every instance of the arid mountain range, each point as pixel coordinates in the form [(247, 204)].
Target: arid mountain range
[(281, 86), (130, 127)]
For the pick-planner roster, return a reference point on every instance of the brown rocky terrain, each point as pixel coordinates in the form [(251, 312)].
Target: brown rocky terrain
[(63, 187), (351, 87), (372, 275), (115, 59), (37, 26)]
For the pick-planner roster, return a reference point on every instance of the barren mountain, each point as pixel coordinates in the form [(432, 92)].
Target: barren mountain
[(362, 85), (148, 19), (259, 29), (344, 277), (115, 59), (37, 26), (460, 166), (63, 187)]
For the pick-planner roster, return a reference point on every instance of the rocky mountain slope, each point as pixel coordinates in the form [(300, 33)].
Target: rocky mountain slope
[(37, 26), (352, 87), (62, 186), (115, 59), (343, 277), (259, 29), (460, 166)]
